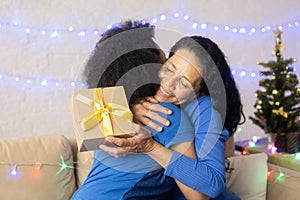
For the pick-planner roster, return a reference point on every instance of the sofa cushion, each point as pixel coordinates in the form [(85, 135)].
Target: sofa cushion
[(28, 182), (248, 179), (283, 187)]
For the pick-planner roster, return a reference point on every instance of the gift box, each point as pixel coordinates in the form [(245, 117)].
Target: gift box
[(99, 113)]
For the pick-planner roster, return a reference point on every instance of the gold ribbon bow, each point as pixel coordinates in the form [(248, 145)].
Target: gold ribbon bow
[(280, 112), (101, 112)]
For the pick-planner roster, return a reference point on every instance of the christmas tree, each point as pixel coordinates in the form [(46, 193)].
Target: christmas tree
[(277, 106)]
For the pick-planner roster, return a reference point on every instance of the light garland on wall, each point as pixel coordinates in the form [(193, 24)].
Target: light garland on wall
[(25, 80), (194, 24), (191, 22)]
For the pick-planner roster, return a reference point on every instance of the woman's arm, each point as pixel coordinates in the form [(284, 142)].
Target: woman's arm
[(163, 156), (207, 173), (143, 143)]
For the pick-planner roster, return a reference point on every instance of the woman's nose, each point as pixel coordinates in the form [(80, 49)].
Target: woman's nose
[(171, 82)]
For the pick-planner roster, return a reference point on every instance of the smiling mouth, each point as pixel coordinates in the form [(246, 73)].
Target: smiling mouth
[(164, 92)]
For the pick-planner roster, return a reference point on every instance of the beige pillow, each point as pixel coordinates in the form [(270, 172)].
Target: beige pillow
[(248, 178), (29, 183)]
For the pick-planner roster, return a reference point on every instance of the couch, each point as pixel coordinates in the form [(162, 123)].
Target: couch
[(50, 167)]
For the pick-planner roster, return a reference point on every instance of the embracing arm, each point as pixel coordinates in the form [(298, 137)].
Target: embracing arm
[(207, 173), (163, 156), (142, 143), (195, 177)]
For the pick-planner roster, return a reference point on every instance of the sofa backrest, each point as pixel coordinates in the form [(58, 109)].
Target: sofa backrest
[(34, 168)]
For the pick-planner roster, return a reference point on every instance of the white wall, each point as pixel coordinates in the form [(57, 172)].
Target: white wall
[(33, 109)]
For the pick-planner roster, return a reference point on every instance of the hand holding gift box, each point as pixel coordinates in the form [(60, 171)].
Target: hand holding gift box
[(98, 113)]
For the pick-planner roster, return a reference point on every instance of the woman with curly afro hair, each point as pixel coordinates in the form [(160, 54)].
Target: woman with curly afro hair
[(127, 55)]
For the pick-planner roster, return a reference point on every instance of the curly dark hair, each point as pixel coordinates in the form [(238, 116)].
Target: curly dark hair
[(209, 56), (126, 55)]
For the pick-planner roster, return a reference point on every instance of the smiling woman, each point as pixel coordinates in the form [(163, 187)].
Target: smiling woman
[(198, 76), (180, 78), (125, 53)]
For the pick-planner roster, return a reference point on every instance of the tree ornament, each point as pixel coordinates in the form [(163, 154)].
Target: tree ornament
[(281, 112), (279, 45)]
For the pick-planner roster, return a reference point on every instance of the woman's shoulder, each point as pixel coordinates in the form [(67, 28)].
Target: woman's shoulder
[(177, 112), (199, 104), (169, 105), (204, 99)]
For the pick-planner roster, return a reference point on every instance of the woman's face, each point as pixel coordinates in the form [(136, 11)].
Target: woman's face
[(179, 78)]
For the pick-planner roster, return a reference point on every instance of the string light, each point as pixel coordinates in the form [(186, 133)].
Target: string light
[(25, 80), (251, 143), (190, 21), (255, 139), (269, 174), (297, 156), (63, 165), (280, 177), (38, 166), (244, 152), (273, 150), (13, 172)]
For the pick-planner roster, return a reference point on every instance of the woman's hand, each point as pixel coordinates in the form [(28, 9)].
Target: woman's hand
[(142, 142), (146, 111)]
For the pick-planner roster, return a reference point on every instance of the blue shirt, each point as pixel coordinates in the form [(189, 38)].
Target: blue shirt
[(135, 175), (207, 173)]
